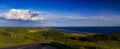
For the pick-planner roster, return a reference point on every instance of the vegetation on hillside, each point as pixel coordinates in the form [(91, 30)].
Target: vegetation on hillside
[(59, 39)]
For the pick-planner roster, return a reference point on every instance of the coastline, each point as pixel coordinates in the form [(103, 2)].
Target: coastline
[(84, 30), (73, 32)]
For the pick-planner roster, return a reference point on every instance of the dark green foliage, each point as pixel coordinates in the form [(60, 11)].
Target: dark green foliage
[(53, 34), (73, 38), (72, 46), (60, 46), (102, 37), (83, 39)]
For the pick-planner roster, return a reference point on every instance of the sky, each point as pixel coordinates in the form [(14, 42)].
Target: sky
[(59, 13)]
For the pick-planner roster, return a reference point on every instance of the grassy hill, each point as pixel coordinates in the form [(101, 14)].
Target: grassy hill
[(60, 39)]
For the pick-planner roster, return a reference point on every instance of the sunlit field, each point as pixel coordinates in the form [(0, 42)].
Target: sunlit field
[(57, 38)]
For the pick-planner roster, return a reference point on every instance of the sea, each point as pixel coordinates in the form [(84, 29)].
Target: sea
[(103, 30)]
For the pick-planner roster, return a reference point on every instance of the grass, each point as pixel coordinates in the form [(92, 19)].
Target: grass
[(59, 39)]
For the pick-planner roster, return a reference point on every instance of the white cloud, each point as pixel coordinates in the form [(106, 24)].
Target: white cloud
[(56, 19), (20, 14), (102, 18)]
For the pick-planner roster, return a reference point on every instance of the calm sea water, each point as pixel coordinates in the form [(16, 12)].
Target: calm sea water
[(91, 29)]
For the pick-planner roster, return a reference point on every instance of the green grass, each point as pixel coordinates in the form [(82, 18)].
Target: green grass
[(59, 39)]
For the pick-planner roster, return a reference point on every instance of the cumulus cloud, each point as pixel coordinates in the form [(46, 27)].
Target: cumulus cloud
[(54, 19), (20, 14)]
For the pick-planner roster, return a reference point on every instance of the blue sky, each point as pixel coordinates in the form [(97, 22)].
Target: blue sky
[(59, 13)]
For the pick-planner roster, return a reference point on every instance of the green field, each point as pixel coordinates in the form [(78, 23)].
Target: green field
[(61, 39)]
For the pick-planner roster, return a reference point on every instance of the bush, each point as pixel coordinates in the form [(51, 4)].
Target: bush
[(73, 38), (101, 37)]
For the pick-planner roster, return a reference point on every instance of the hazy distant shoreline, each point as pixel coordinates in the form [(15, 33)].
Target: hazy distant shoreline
[(72, 32), (80, 30), (96, 30)]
